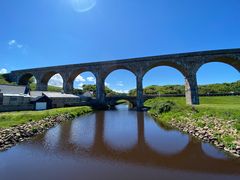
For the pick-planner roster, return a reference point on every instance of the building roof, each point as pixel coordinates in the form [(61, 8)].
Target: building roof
[(49, 94), (13, 89), (59, 95)]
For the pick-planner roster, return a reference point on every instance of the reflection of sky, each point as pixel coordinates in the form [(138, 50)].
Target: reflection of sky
[(212, 151), (83, 131), (51, 138), (120, 129), (163, 141)]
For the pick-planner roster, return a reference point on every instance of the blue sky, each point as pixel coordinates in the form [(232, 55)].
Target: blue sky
[(57, 32)]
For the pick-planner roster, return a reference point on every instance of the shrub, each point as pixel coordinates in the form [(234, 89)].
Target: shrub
[(162, 107)]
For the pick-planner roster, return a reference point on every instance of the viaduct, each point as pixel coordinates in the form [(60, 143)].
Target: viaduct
[(187, 63)]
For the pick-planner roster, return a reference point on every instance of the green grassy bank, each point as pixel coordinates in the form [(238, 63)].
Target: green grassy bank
[(10, 119), (220, 115)]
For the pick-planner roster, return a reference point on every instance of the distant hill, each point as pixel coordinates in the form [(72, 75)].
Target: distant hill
[(202, 89)]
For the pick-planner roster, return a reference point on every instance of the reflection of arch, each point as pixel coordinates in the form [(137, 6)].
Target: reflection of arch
[(227, 60), (176, 66), (24, 79), (83, 131), (120, 135), (169, 142), (212, 151)]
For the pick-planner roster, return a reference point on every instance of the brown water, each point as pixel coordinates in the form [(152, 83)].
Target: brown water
[(118, 144)]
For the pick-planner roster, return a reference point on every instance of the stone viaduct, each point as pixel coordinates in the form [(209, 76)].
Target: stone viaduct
[(187, 63)]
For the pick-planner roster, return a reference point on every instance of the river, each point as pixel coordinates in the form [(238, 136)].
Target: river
[(116, 144)]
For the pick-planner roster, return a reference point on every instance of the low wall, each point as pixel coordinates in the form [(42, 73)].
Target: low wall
[(7, 108)]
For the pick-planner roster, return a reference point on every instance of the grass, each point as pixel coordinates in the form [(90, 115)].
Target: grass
[(10, 119), (219, 114), (226, 107)]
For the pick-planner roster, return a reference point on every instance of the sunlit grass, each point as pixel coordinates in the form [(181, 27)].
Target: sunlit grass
[(16, 118)]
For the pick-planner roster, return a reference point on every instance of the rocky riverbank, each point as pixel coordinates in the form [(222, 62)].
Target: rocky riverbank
[(13, 135), (210, 130)]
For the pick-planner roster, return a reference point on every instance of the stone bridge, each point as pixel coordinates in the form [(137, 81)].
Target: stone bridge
[(187, 63), (113, 100)]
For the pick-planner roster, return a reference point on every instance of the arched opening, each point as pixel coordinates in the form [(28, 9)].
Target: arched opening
[(54, 82), (118, 83), (219, 83), (165, 82), (28, 80), (85, 84), (218, 78)]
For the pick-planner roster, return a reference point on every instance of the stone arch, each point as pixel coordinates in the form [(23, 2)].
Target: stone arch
[(48, 75), (24, 79), (113, 68), (191, 92), (180, 68), (223, 59), (77, 72), (43, 84)]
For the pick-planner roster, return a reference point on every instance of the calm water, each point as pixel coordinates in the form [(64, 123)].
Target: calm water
[(118, 144)]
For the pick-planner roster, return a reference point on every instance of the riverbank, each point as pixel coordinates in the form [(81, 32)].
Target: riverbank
[(18, 126), (216, 120)]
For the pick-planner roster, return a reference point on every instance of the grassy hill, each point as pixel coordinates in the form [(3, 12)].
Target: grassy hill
[(202, 89)]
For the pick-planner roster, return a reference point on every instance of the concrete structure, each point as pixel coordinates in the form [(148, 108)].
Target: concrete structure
[(187, 63)]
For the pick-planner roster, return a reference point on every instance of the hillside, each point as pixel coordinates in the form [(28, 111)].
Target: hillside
[(202, 89)]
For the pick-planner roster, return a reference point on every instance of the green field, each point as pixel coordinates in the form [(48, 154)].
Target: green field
[(226, 107), (10, 119)]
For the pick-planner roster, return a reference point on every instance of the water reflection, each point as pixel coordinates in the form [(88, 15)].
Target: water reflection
[(120, 130), (134, 137), (168, 142), (52, 137), (212, 151), (83, 131), (112, 139)]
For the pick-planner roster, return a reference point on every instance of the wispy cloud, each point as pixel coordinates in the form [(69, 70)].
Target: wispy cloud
[(56, 80), (120, 83), (79, 78), (91, 79), (3, 71), (13, 43)]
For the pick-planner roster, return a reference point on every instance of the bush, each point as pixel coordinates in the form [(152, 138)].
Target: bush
[(162, 107)]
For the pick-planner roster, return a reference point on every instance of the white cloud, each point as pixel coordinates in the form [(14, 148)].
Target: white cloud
[(91, 79), (56, 80), (107, 84), (3, 71), (80, 86), (121, 91), (120, 83), (79, 78), (14, 43)]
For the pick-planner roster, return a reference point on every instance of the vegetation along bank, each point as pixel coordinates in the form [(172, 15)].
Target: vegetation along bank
[(18, 126), (216, 120)]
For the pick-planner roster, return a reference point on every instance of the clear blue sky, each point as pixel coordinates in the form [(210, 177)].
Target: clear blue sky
[(57, 32)]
